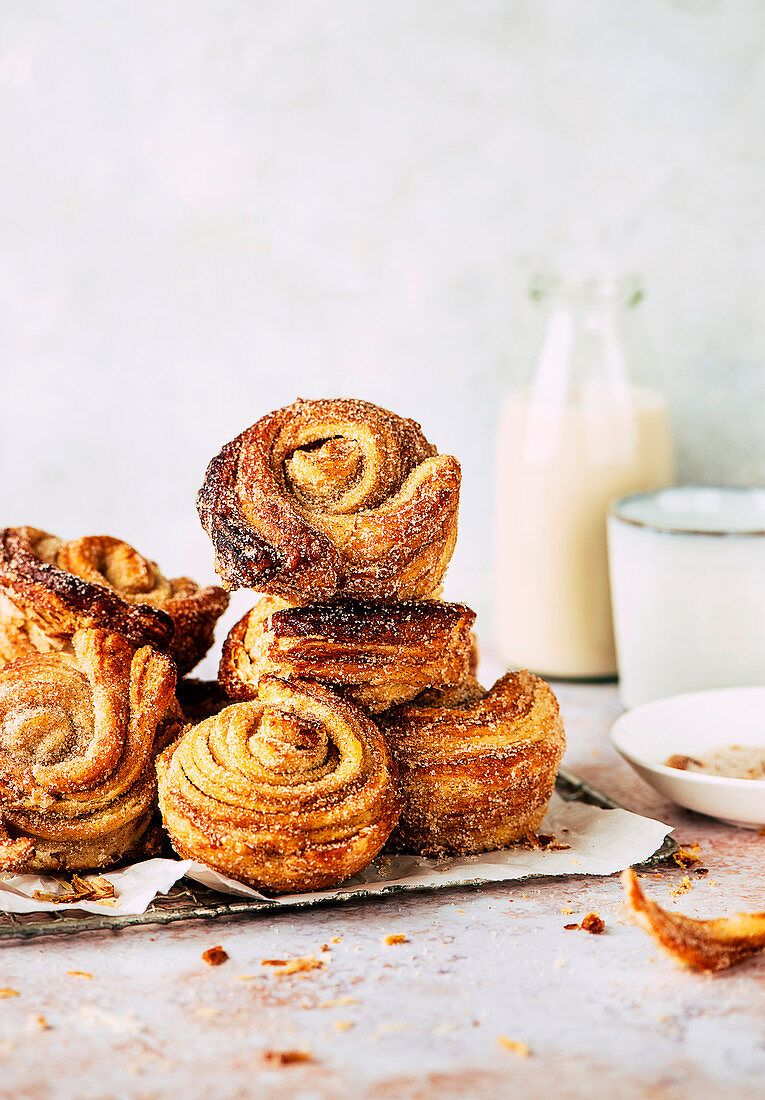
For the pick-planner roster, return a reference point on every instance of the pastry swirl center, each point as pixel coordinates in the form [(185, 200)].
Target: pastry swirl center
[(108, 561), (283, 743), (324, 472)]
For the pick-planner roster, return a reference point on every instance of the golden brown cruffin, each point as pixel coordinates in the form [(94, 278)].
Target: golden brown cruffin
[(79, 734), (375, 654), (700, 944), (57, 587), (292, 791), (332, 498), (477, 768)]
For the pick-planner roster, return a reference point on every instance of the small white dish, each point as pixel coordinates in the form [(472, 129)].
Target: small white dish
[(695, 724)]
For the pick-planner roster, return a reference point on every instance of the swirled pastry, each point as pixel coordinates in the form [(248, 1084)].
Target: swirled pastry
[(58, 587), (79, 734), (292, 791), (476, 768), (332, 498), (376, 654)]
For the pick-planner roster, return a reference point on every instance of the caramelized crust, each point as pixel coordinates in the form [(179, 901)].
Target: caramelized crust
[(700, 944), (79, 735), (56, 587), (332, 498), (291, 791), (377, 654), (477, 768)]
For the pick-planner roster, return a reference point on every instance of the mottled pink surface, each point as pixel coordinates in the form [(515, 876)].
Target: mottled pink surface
[(607, 1015)]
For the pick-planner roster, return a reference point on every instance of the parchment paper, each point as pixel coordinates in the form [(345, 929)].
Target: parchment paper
[(601, 843)]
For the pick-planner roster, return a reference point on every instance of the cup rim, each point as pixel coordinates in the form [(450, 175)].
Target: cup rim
[(614, 512)]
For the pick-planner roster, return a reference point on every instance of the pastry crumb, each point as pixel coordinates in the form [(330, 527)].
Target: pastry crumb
[(287, 1057), (393, 938), (686, 857), (594, 924), (38, 1023), (79, 974), (295, 966), (682, 888), (9, 993), (570, 927), (343, 1025), (515, 1046), (245, 977), (336, 939), (335, 1002), (325, 947), (215, 956)]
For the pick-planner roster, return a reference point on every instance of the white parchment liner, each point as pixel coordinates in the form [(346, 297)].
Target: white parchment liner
[(601, 843)]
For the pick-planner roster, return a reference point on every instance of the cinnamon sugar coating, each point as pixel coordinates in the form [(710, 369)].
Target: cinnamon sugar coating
[(52, 588), (79, 734), (376, 654), (332, 498), (291, 791), (476, 768), (700, 944)]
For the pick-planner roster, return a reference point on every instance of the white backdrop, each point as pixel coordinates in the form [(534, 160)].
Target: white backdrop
[(208, 209)]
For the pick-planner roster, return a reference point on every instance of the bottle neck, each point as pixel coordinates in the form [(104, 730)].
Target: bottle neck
[(590, 348)]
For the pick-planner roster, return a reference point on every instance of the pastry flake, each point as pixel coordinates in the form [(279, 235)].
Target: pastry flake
[(332, 498), (699, 944)]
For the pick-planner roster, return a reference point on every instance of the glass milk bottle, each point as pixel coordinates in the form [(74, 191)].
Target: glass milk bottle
[(589, 425)]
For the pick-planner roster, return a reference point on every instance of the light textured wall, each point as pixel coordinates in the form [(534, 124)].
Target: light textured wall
[(207, 209)]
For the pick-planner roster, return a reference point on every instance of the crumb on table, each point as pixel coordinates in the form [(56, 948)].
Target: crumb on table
[(215, 956)]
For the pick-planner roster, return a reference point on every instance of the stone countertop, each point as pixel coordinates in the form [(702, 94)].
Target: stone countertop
[(418, 1019)]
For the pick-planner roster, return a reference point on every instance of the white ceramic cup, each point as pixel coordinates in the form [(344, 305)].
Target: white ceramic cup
[(687, 569)]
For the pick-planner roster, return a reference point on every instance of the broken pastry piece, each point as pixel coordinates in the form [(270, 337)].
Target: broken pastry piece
[(79, 735), (477, 768), (376, 654), (52, 588), (292, 791), (332, 498), (700, 944)]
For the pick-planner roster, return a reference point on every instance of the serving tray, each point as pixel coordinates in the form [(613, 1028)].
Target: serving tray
[(191, 901)]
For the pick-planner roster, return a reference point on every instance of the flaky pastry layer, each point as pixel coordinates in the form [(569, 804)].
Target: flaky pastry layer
[(376, 654), (332, 498), (56, 587), (707, 945), (477, 768)]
